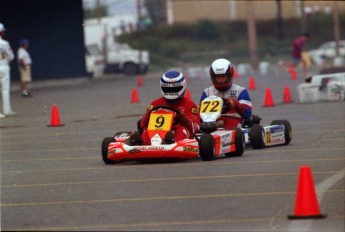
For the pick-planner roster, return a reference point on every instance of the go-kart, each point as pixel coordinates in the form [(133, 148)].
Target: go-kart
[(115, 149), (213, 141), (208, 144), (279, 132)]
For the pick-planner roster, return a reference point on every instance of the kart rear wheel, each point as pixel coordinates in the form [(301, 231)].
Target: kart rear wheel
[(257, 136), (105, 144), (287, 129), (206, 147)]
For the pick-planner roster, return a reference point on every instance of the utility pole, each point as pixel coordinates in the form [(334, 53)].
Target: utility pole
[(279, 20), (336, 27), (252, 40), (98, 11)]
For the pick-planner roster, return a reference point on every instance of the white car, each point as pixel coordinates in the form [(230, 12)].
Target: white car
[(94, 61), (327, 50)]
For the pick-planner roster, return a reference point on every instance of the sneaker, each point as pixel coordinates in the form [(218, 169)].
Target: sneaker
[(10, 113), (2, 115), (26, 94), (169, 138), (134, 139)]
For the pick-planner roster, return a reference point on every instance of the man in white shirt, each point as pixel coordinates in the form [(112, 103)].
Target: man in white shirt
[(24, 61), (6, 56)]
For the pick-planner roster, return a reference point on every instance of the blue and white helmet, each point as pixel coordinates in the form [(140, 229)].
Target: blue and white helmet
[(173, 85)]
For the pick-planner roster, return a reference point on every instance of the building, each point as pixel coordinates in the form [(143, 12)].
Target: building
[(189, 11), (55, 31)]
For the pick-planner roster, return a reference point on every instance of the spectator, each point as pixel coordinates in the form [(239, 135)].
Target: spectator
[(25, 62), (6, 56), (296, 54)]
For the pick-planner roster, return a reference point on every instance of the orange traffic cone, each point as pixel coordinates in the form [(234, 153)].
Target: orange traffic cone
[(293, 73), (55, 118), (188, 95), (140, 80), (306, 206), (268, 98), (287, 95), (252, 84), (135, 98)]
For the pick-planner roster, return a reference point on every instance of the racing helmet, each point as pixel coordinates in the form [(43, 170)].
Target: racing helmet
[(222, 67), (173, 85)]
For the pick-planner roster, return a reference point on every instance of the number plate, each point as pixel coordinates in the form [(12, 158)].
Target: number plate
[(211, 106), (161, 121)]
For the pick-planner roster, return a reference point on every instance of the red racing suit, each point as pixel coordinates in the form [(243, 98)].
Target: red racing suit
[(185, 129)]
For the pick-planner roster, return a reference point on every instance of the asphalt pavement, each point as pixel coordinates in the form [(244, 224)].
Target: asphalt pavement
[(53, 178)]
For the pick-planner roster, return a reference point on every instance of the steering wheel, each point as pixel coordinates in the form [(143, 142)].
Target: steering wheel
[(165, 108)]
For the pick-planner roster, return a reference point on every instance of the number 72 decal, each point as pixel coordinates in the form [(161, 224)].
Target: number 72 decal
[(211, 106)]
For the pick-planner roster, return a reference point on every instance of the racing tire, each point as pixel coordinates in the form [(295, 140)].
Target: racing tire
[(240, 142), (207, 147), (287, 129), (257, 136), (105, 144)]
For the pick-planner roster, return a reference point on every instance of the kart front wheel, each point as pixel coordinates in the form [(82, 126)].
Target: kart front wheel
[(105, 144), (206, 147), (287, 129), (240, 142), (257, 136)]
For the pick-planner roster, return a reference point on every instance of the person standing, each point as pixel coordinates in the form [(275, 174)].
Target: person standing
[(298, 56), (6, 56), (297, 50), (24, 61)]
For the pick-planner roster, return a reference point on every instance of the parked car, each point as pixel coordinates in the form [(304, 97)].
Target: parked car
[(94, 61), (327, 51)]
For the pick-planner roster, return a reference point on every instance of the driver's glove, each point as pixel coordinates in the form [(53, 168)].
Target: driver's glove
[(226, 106), (186, 122)]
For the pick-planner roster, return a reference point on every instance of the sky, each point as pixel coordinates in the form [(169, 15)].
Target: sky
[(115, 7)]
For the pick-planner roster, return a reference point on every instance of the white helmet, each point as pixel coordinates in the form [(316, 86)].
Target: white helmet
[(222, 67), (2, 27), (173, 85)]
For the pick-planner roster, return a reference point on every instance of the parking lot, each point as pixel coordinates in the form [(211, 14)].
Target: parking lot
[(53, 178)]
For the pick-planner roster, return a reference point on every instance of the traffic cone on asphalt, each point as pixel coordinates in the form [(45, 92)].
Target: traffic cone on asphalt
[(140, 80), (306, 205), (293, 73), (55, 118), (252, 84), (268, 98), (135, 98), (287, 95), (188, 95)]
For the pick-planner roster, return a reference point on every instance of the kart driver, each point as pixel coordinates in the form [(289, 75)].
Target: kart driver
[(237, 105), (173, 86)]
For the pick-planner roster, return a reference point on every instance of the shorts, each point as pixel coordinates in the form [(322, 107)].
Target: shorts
[(25, 74)]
